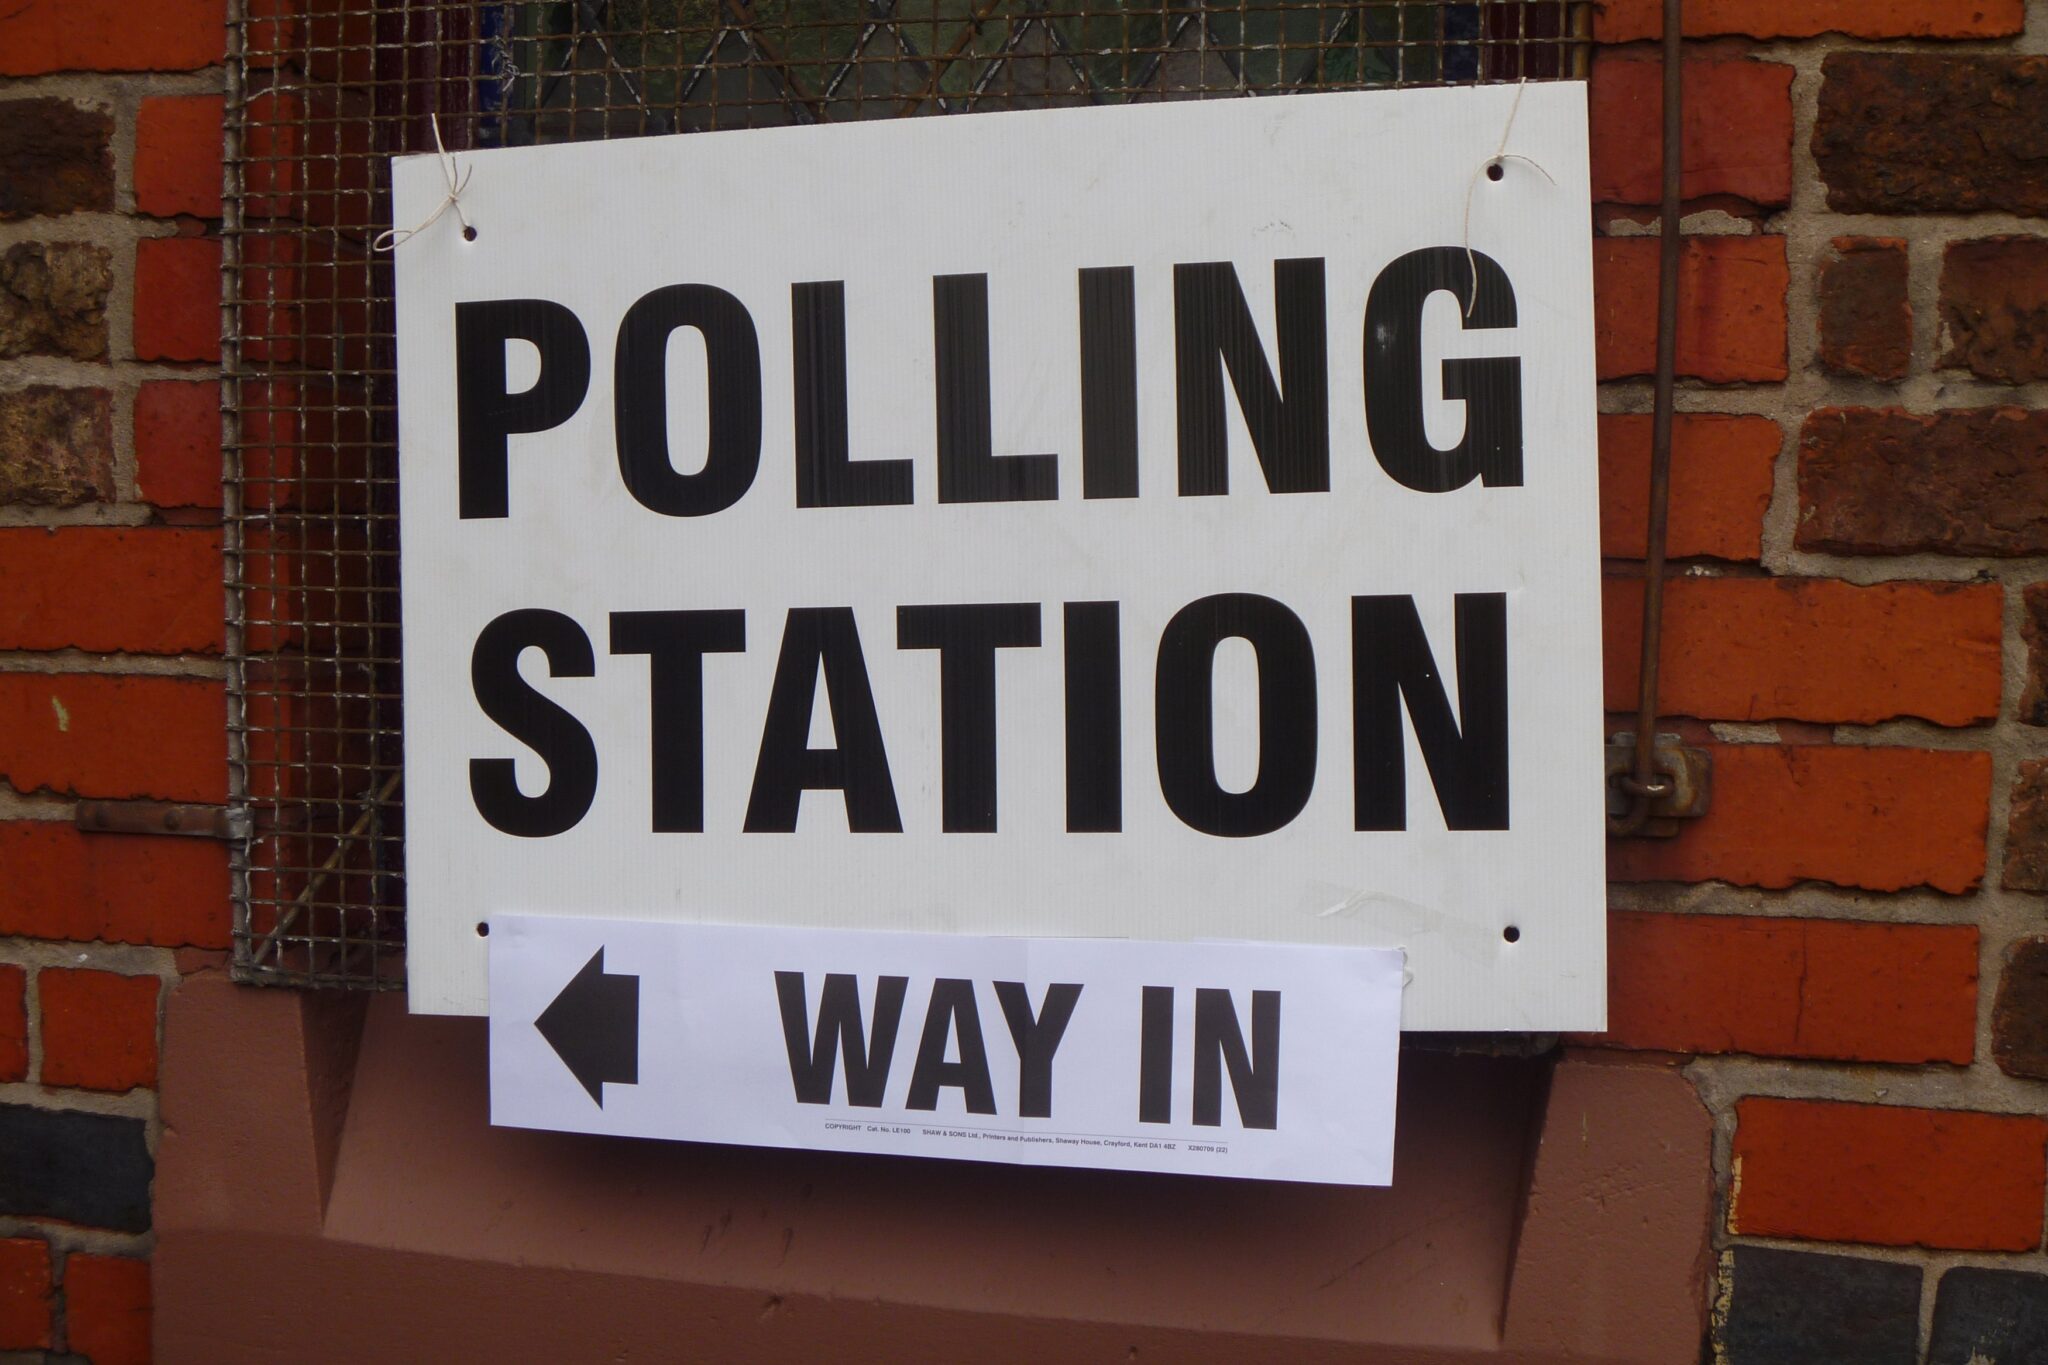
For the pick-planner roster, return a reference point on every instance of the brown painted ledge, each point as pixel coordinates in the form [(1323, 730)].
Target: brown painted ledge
[(328, 1190)]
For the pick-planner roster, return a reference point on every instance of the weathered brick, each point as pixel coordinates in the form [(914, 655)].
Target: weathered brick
[(1838, 989), (1734, 330), (177, 298), (2033, 708), (91, 1169), (56, 882), (106, 1308), (1799, 1308), (53, 300), (1883, 819), (1919, 132), (2026, 829), (1738, 130), (1627, 21), (1866, 321), (1720, 484), (155, 591), (178, 155), (1888, 1175), (2019, 1015), (178, 444), (56, 446), (107, 735), (112, 35), (98, 1029), (25, 1294), (13, 1023), (1988, 1316), (1813, 649), (54, 158), (1882, 481), (1994, 308)]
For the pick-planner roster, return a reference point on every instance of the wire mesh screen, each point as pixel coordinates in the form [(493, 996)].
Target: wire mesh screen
[(323, 92)]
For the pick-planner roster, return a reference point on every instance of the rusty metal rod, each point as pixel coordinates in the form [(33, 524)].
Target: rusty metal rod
[(1646, 782)]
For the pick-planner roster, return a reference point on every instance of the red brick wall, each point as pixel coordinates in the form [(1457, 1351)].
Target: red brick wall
[(1847, 956), (111, 682)]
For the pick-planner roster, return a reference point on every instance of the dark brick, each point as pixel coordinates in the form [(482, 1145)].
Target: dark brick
[(2034, 630), (1990, 1317), (92, 1169), (1866, 322), (1882, 481), (53, 300), (2026, 829), (54, 159), (56, 446), (1994, 308), (2019, 1017), (1797, 1308), (1919, 132)]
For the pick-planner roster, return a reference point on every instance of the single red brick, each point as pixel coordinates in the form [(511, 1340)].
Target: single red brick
[(1837, 989), (1866, 320), (107, 1308), (1932, 132), (24, 1294), (1880, 818), (1888, 1176), (55, 158), (177, 298), (112, 35), (56, 882), (1720, 484), (56, 446), (178, 443), (1971, 481), (1738, 130), (2019, 1015), (13, 1023), (1627, 21), (107, 735), (178, 155), (99, 1028), (1813, 649), (2026, 829), (111, 590), (2033, 706), (1732, 328), (1994, 308), (53, 300)]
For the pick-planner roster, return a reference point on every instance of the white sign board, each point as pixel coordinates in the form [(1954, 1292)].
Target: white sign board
[(1147, 522), (1274, 1062)]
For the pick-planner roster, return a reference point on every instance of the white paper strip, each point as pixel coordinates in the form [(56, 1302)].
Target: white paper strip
[(1231, 1059)]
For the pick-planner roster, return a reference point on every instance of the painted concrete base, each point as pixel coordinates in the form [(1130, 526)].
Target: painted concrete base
[(329, 1190)]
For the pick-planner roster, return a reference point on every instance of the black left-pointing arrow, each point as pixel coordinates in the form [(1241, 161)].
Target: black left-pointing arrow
[(594, 1027)]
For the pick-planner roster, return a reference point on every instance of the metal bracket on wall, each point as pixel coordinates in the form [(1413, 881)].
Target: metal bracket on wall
[(1683, 791), (155, 817), (1652, 782)]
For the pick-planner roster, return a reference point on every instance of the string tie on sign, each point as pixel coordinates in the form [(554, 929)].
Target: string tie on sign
[(1491, 168), (389, 239)]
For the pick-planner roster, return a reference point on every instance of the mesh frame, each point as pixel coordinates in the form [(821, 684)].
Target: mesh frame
[(322, 92)]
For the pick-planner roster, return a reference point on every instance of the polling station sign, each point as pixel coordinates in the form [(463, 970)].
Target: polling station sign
[(1162, 523), (1256, 1061)]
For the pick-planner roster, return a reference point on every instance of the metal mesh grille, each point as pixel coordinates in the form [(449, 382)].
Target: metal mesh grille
[(321, 92)]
